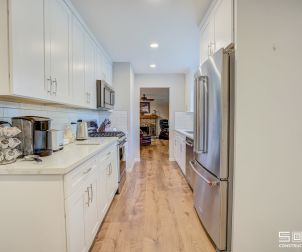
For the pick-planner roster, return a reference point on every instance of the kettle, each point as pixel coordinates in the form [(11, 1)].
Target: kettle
[(82, 130)]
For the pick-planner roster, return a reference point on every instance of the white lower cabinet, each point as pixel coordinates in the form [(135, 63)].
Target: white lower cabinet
[(92, 188), (108, 180), (180, 151), (75, 221)]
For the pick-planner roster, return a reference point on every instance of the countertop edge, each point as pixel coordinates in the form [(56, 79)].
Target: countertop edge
[(182, 131), (55, 171)]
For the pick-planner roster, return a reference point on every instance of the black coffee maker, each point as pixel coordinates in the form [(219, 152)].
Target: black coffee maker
[(35, 135)]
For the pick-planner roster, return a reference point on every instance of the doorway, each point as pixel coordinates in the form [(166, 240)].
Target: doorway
[(154, 118)]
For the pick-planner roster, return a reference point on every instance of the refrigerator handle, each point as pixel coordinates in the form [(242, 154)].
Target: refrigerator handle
[(205, 114), (197, 116), (209, 182)]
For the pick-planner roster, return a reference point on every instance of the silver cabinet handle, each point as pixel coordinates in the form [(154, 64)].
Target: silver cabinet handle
[(91, 199), (49, 86), (55, 83), (87, 171), (209, 50), (88, 202), (210, 183)]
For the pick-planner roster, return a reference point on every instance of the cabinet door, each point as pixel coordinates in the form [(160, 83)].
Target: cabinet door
[(26, 26), (78, 63), (90, 81), (183, 156), (223, 24), (207, 40), (91, 210), (57, 55), (75, 221), (102, 189), (113, 174), (98, 65)]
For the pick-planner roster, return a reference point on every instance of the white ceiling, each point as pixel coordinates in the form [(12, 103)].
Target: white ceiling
[(125, 28)]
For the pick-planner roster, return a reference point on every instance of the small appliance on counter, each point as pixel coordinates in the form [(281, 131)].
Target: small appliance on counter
[(82, 130), (35, 135), (57, 140)]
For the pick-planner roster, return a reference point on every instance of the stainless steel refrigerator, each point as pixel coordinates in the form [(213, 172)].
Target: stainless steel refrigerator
[(213, 148)]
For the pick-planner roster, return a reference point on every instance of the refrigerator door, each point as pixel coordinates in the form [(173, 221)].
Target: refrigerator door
[(210, 201), (212, 113)]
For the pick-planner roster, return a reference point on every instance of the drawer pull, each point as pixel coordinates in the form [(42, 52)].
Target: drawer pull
[(88, 196), (91, 199), (87, 171)]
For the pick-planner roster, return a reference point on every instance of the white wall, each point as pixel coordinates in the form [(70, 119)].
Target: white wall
[(176, 84), (189, 91), (268, 125), (123, 83)]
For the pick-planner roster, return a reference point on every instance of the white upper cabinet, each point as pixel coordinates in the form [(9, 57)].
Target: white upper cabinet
[(99, 65), (57, 50), (48, 54), (78, 64), (223, 24), (90, 80), (26, 36), (217, 29), (207, 40)]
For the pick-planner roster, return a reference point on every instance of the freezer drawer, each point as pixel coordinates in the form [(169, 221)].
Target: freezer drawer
[(210, 201)]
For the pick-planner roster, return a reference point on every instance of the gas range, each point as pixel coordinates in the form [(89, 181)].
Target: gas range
[(119, 134)]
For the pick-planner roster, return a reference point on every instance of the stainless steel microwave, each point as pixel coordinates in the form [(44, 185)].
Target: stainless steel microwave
[(105, 95)]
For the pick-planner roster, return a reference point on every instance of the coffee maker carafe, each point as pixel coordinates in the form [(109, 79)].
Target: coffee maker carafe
[(35, 135)]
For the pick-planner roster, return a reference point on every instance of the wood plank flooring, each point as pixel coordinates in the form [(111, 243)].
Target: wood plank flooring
[(154, 212)]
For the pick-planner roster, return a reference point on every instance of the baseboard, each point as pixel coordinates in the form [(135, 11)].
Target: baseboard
[(132, 165)]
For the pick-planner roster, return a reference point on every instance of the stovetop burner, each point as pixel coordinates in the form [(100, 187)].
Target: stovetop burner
[(118, 134)]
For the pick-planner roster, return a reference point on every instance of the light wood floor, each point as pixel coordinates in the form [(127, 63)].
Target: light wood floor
[(154, 212)]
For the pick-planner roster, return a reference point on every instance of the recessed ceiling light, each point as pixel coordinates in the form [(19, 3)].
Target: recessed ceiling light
[(153, 66), (154, 45)]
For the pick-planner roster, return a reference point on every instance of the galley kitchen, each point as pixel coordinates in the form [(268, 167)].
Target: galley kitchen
[(150, 126)]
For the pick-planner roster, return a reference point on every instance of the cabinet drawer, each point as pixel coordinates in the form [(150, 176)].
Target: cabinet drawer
[(74, 180)]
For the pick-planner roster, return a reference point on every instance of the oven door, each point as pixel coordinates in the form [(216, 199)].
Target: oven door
[(107, 97), (122, 165)]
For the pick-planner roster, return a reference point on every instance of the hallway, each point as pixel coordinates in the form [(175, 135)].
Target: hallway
[(154, 212)]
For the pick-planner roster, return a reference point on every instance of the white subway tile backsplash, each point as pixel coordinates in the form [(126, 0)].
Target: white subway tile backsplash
[(60, 116), (119, 120), (184, 120)]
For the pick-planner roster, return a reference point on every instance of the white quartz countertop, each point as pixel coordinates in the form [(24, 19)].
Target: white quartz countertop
[(60, 162), (186, 133)]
